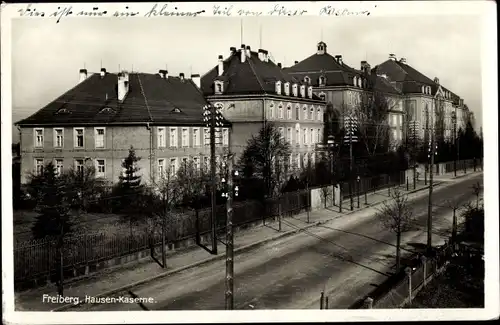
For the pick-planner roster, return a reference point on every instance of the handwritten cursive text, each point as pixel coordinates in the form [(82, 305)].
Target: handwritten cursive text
[(165, 12), (330, 11), (282, 11)]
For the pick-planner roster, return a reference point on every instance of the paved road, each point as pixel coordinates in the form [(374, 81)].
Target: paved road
[(290, 273)]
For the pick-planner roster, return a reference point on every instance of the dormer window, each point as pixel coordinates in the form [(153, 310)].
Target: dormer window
[(423, 90), (310, 91), (429, 90), (307, 80), (302, 91), (322, 81), (355, 81), (107, 110), (360, 82), (278, 87), (219, 87), (294, 90), (62, 111), (287, 88), (322, 96)]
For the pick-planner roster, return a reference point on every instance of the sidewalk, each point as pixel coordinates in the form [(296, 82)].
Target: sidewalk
[(127, 276)]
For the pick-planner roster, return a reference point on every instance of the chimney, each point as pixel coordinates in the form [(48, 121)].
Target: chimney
[(221, 66), (103, 72), (181, 76), (279, 65), (436, 80), (266, 55), (261, 54), (248, 51), (196, 79), (402, 60), (242, 53), (162, 73), (338, 58), (296, 62), (123, 85), (83, 74), (392, 57), (232, 49)]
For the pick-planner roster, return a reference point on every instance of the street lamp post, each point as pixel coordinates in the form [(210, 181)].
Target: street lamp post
[(454, 120), (358, 179), (331, 145)]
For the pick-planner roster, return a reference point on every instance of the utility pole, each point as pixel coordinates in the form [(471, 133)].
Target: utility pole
[(213, 118), (454, 119), (429, 209), (350, 126), (229, 236)]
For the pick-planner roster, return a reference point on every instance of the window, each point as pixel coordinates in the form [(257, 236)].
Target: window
[(302, 91), (394, 120), (297, 113), (318, 136), (219, 87), (297, 136), (320, 116), (161, 168), (394, 134), (79, 166), (360, 82), (311, 114), (173, 166), (185, 137), (38, 166), (99, 137), (290, 162), (278, 87), (59, 167), (100, 168), (161, 137), (79, 137), (322, 96), (310, 91), (304, 109), (304, 136), (271, 111), (289, 135), (287, 88), (294, 90), (196, 137), (311, 136), (280, 111), (185, 161), (218, 137), (298, 161), (206, 136), (355, 81), (282, 133), (173, 137), (322, 81), (225, 137), (400, 119), (307, 79), (289, 112), (39, 138), (196, 163), (206, 163), (58, 138)]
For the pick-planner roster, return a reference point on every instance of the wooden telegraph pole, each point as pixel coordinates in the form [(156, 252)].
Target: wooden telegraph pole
[(431, 165)]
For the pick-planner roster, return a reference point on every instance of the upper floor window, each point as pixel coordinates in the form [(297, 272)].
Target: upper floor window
[(161, 137), (196, 163), (173, 137), (322, 96), (322, 80), (360, 82), (307, 80), (79, 137), (311, 114), (304, 136), (355, 81), (39, 137), (196, 137), (289, 135), (282, 132), (304, 109), (318, 136), (99, 137), (225, 137), (38, 166), (302, 91), (310, 91), (287, 88), (59, 167), (311, 136), (320, 115), (271, 111), (280, 111), (206, 136), (278, 87), (289, 112), (161, 168), (185, 137), (58, 138), (219, 87), (294, 90), (297, 113), (79, 166), (173, 166)]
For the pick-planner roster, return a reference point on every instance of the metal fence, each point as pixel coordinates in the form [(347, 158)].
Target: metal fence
[(372, 184), (39, 258)]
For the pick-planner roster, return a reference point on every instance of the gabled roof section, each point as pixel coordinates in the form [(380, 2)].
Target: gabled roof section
[(150, 98), (253, 76)]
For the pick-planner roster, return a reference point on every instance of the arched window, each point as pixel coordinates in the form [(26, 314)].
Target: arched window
[(355, 81), (423, 89), (280, 111), (304, 109), (307, 80), (310, 91), (271, 111), (322, 96), (297, 112), (320, 115), (360, 83), (289, 112), (278, 87), (311, 114), (322, 80), (287, 88), (294, 90)]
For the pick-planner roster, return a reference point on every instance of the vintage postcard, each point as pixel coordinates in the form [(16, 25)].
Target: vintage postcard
[(249, 162)]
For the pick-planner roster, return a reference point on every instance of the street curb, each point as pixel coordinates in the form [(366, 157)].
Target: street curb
[(183, 268), (220, 257)]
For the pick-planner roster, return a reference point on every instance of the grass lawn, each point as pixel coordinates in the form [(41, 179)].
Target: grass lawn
[(461, 285)]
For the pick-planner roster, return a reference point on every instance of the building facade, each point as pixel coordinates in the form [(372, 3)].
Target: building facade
[(346, 89), (96, 123), (426, 101), (251, 90)]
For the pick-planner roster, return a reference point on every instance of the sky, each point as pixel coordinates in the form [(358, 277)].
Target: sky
[(46, 57)]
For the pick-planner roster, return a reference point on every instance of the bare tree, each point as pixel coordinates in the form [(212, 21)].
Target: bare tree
[(373, 118), (259, 157), (190, 183), (396, 216), (476, 189)]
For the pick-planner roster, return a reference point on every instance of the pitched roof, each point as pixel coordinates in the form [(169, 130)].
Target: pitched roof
[(150, 98), (254, 76), (411, 79)]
